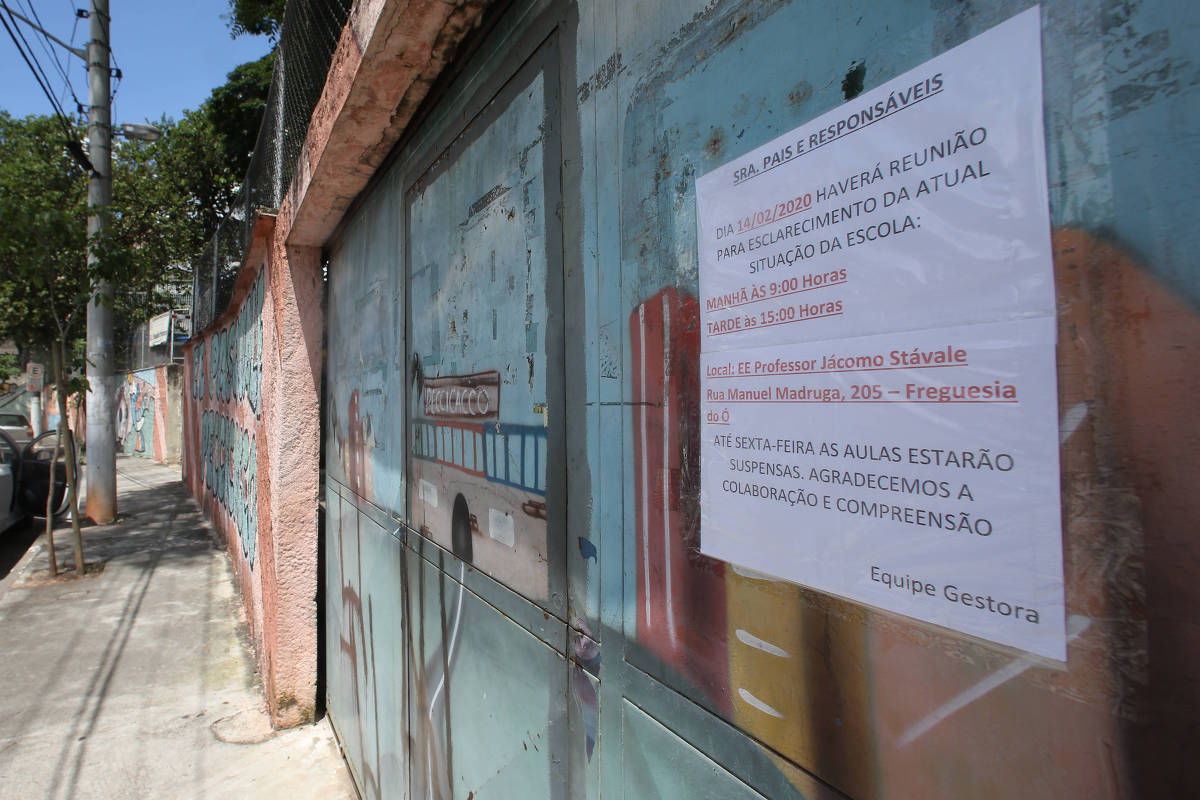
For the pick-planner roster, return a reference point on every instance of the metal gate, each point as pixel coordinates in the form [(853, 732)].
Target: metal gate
[(447, 622), (516, 605)]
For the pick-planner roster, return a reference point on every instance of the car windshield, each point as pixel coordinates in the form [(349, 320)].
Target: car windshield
[(12, 419)]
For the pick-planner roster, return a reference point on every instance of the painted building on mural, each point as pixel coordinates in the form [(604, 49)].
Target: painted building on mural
[(512, 329)]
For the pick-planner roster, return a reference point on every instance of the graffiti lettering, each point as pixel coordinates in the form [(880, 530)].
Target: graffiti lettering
[(461, 401), (235, 363), (229, 456), (475, 397), (199, 386)]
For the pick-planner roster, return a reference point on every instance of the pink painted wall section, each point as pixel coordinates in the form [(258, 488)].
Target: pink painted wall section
[(251, 423), (252, 440), (387, 60), (292, 350)]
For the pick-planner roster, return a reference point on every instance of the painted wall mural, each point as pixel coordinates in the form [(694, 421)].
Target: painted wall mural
[(199, 373), (229, 453), (136, 397), (235, 359), (148, 408), (443, 425), (226, 387)]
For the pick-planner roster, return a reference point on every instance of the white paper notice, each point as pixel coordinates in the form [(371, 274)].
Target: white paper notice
[(877, 326)]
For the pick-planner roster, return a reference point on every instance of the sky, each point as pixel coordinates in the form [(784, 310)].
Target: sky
[(172, 53)]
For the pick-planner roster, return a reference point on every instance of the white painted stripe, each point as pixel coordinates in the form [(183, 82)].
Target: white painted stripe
[(641, 410), (745, 637), (666, 472), (462, 574), (759, 704), (754, 574), (1071, 421), (1076, 624)]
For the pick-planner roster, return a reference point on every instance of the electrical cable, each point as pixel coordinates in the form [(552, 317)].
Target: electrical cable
[(73, 144), (30, 61), (79, 106), (45, 42), (30, 58), (117, 76)]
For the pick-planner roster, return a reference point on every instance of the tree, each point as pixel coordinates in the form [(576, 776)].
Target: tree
[(255, 17), (46, 279), (235, 109), (10, 367), (170, 194)]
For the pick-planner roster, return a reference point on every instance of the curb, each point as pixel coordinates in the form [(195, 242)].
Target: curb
[(21, 568)]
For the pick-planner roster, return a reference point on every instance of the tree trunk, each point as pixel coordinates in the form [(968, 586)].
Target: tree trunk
[(68, 437), (50, 508)]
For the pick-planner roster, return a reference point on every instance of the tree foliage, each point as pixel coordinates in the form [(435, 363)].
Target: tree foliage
[(235, 110), (44, 276), (255, 17), (10, 367), (168, 197)]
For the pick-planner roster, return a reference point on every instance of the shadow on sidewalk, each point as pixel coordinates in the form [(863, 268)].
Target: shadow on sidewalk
[(159, 528)]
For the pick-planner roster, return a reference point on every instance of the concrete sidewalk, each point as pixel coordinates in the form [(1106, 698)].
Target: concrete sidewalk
[(137, 681)]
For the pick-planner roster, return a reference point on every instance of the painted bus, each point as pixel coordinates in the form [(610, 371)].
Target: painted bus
[(479, 484)]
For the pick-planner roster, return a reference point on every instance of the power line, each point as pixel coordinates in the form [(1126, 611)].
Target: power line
[(117, 76), (47, 38), (44, 42), (74, 30), (31, 59), (73, 144), (54, 54)]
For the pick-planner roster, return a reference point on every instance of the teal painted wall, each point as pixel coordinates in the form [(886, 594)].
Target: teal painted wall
[(515, 602)]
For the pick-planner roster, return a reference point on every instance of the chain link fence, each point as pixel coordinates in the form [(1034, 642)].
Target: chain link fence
[(307, 38)]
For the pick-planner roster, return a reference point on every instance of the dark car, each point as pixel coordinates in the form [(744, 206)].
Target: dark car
[(26, 479)]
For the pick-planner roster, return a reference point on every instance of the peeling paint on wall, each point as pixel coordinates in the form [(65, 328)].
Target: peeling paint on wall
[(719, 681)]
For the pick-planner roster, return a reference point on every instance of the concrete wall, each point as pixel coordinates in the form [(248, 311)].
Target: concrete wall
[(249, 438), (255, 467)]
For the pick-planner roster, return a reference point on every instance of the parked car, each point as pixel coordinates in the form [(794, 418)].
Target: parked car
[(26, 479), (17, 427)]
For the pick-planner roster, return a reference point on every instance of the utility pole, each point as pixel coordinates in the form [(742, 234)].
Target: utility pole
[(101, 472)]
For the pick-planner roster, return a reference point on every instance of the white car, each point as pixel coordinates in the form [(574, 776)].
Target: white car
[(17, 427), (25, 479)]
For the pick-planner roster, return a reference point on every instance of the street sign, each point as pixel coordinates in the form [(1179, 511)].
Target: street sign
[(35, 376), (160, 328)]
